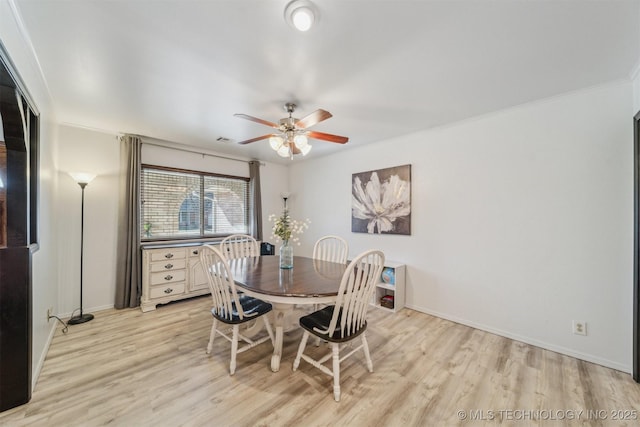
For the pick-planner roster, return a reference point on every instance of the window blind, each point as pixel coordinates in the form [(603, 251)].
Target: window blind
[(191, 204)]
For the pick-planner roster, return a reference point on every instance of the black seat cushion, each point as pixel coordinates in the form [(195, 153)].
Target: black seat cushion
[(320, 319), (252, 308)]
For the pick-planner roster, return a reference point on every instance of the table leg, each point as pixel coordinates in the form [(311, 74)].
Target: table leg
[(281, 319), (277, 346)]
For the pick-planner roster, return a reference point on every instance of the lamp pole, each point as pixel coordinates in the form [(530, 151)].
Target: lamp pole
[(285, 196), (81, 318)]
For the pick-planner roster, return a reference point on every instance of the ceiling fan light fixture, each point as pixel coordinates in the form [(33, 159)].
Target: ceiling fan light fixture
[(292, 134), (275, 142), (301, 14), (284, 151), (301, 141)]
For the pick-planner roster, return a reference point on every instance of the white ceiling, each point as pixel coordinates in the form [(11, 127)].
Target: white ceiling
[(178, 70)]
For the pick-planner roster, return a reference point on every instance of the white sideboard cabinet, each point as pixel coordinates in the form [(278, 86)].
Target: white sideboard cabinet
[(171, 273)]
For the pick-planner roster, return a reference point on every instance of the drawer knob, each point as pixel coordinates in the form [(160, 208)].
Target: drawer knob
[(169, 255), (195, 252), (168, 266), (168, 291), (168, 277)]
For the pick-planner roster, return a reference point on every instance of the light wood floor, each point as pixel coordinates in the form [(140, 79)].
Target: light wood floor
[(128, 368)]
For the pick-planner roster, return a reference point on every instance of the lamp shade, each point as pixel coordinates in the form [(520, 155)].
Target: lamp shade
[(275, 142), (82, 177), (284, 151), (301, 141)]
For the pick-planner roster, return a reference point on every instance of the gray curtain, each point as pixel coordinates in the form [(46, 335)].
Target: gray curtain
[(128, 256), (255, 193)]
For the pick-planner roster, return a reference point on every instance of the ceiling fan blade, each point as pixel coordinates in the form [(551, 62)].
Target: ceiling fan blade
[(257, 120), (257, 139), (327, 137), (313, 118)]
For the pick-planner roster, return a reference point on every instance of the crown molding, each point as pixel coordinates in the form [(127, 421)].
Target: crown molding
[(26, 39)]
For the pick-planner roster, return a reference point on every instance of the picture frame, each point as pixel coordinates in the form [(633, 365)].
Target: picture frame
[(381, 201)]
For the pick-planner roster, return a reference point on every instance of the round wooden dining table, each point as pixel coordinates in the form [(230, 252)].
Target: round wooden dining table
[(310, 281)]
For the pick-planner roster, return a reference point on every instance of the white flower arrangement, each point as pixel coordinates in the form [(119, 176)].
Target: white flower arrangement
[(287, 229)]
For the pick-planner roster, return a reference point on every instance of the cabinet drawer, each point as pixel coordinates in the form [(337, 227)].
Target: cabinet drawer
[(167, 265), (168, 289), (167, 277), (169, 254), (194, 252)]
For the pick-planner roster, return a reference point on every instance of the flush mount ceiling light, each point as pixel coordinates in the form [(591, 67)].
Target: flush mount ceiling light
[(301, 14)]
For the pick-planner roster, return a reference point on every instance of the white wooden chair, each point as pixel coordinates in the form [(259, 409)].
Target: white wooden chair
[(239, 246), (331, 248), (347, 319), (229, 307)]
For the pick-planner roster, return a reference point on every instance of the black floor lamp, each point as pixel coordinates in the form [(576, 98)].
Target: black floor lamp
[(82, 179)]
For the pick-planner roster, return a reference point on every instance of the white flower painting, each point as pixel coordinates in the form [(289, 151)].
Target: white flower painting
[(381, 201)]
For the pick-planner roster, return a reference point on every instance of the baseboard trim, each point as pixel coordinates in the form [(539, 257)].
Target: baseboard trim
[(527, 340), (36, 372)]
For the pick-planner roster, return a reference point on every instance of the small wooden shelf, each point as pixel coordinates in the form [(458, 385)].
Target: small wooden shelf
[(396, 290), (383, 285)]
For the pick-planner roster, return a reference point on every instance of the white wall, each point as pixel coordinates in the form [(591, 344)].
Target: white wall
[(635, 79), (521, 220), (45, 261), (83, 150)]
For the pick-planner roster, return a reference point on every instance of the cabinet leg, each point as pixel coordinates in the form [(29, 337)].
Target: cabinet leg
[(145, 307)]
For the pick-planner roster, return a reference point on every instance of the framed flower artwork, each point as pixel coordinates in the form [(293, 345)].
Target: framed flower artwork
[(381, 201)]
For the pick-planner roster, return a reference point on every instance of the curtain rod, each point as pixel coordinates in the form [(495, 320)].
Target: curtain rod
[(182, 147)]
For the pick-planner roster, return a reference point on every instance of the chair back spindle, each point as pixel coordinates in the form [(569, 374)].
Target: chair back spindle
[(239, 246), (332, 249), (354, 295), (221, 284)]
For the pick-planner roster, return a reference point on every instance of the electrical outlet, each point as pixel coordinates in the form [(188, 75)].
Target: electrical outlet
[(49, 314), (579, 327)]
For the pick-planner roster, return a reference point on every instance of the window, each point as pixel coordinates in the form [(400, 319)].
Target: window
[(190, 204), (19, 136)]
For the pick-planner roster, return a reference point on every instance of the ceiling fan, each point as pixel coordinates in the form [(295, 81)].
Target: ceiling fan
[(293, 134)]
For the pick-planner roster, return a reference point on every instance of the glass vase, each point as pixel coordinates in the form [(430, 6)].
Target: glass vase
[(286, 255)]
